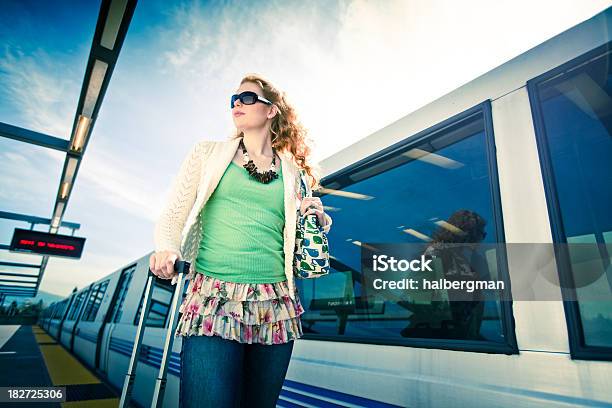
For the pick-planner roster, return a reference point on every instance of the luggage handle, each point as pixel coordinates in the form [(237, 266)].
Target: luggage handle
[(181, 267)]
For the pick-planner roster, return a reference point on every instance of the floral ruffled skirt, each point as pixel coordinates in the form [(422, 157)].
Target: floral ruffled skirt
[(246, 312)]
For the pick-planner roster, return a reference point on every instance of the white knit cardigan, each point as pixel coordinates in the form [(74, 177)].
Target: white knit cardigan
[(179, 227)]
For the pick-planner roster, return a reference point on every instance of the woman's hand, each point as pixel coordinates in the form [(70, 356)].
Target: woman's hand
[(313, 205), (162, 264)]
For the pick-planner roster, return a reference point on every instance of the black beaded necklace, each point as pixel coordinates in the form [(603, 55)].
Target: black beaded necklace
[(264, 177)]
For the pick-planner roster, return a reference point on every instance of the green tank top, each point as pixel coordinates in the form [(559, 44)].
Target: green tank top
[(242, 229)]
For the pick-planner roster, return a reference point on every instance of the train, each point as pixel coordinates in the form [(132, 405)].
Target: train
[(525, 148)]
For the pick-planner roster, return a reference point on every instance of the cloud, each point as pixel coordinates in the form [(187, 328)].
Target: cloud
[(336, 61), (205, 50), (41, 87), (112, 178), (37, 87), (350, 67), (26, 179)]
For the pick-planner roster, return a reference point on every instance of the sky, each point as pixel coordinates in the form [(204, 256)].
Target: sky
[(349, 67)]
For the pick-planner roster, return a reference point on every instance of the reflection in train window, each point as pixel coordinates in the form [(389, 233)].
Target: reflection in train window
[(573, 113), (122, 288), (50, 310), (95, 299), (59, 311), (421, 192), (76, 306), (160, 304)]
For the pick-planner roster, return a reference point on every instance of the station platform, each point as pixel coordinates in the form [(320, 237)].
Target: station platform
[(29, 357)]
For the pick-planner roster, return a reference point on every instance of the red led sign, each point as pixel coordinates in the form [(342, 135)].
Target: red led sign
[(44, 243)]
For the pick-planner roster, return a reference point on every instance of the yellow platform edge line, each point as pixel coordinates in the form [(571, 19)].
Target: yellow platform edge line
[(63, 368), (100, 403), (43, 338)]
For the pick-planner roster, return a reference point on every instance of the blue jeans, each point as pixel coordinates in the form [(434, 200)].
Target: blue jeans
[(223, 373)]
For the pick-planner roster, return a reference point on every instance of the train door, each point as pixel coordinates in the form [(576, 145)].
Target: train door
[(78, 316), (64, 316), (112, 317)]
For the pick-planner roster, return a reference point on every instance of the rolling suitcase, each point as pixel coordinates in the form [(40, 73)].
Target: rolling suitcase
[(181, 267)]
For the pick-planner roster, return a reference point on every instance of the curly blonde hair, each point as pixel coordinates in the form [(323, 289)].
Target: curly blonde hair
[(288, 133)]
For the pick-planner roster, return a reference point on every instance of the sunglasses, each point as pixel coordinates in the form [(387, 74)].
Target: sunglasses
[(248, 98)]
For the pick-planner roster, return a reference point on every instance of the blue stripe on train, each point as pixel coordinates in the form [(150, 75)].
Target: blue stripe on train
[(149, 355), (88, 337), (152, 357), (337, 395)]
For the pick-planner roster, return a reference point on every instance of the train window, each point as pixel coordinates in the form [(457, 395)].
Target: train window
[(64, 307), (90, 302), (411, 193), (122, 288), (160, 304), (572, 111), (95, 300), (76, 306), (49, 310), (59, 311), (54, 313)]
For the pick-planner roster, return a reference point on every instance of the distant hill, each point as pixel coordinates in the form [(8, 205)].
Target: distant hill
[(46, 297)]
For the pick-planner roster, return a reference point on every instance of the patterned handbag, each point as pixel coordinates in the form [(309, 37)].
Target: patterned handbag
[(311, 245)]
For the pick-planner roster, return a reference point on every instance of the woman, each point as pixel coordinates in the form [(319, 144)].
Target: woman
[(457, 249), (237, 199)]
